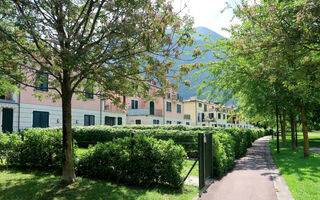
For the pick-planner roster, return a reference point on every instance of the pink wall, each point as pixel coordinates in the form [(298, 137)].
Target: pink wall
[(28, 98)]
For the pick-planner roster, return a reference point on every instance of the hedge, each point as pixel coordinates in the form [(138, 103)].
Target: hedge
[(39, 148), (126, 155), (91, 135), (137, 160)]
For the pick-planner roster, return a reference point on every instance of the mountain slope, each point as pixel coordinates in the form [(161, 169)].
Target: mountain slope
[(187, 92)]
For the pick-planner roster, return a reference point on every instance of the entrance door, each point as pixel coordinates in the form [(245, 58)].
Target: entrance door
[(7, 119)]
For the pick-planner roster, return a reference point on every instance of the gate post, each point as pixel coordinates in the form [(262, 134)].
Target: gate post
[(205, 160)]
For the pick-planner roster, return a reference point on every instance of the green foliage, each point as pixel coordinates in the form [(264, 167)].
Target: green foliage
[(231, 144), (137, 160), (94, 134), (40, 148)]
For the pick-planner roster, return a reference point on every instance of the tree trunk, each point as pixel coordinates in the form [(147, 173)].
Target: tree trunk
[(68, 173), (293, 138), (305, 132), (283, 128)]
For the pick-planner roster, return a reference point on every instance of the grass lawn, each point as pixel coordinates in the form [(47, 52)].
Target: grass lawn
[(301, 174), (17, 184)]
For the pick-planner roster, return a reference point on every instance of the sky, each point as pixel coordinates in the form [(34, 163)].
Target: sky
[(207, 13)]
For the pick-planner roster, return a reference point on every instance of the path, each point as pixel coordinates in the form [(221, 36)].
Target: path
[(254, 177)]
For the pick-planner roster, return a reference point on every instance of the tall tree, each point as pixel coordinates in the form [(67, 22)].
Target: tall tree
[(270, 49), (102, 46)]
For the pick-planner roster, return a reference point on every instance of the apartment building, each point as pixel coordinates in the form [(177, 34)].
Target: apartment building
[(194, 110), (25, 110), (159, 110)]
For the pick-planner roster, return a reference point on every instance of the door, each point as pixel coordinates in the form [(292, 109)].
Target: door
[(151, 108), (7, 120)]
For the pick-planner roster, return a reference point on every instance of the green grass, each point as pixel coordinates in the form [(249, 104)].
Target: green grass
[(187, 166), (16, 184), (301, 174)]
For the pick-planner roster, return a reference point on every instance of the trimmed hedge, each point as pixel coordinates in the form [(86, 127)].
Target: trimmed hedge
[(36, 147), (137, 160), (132, 156), (91, 135)]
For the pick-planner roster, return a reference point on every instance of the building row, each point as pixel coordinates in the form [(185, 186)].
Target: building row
[(25, 110)]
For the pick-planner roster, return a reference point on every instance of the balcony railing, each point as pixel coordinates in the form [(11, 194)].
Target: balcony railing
[(144, 111), (6, 98)]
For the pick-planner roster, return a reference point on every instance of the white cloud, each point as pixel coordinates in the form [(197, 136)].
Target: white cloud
[(207, 13)]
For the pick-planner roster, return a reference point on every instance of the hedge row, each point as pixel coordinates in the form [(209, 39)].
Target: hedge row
[(91, 135), (36, 148), (231, 144), (138, 160)]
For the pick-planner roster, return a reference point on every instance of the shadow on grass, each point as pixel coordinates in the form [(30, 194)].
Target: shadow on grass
[(17, 184), (294, 162)]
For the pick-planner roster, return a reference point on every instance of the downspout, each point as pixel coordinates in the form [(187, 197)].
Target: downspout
[(100, 111), (19, 99), (196, 116), (164, 111)]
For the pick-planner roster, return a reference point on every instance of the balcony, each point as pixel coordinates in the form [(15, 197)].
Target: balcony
[(6, 98), (113, 108), (144, 111)]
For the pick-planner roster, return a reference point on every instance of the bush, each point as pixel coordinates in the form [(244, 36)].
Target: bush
[(40, 148), (137, 160), (9, 147), (91, 135)]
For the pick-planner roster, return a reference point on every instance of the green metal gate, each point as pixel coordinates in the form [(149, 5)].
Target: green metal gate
[(205, 159)]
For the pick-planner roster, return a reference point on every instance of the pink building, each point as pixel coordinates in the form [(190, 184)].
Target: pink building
[(25, 110)]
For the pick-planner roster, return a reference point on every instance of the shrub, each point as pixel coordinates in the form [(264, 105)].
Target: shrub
[(137, 160), (9, 147), (40, 148), (86, 136)]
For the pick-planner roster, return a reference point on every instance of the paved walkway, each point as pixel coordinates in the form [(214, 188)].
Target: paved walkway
[(316, 150), (255, 177)]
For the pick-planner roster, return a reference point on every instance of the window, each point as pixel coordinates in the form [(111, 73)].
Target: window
[(156, 121), (89, 120), (88, 94), (224, 116), (168, 95), (178, 108), (119, 120), (178, 122), (111, 121), (211, 115), (138, 121), (169, 106), (40, 119), (169, 122), (205, 107), (43, 82), (200, 105), (202, 117), (219, 115), (2, 97), (187, 123), (134, 104)]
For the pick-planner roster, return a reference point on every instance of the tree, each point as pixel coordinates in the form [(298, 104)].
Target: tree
[(271, 50), (108, 47)]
